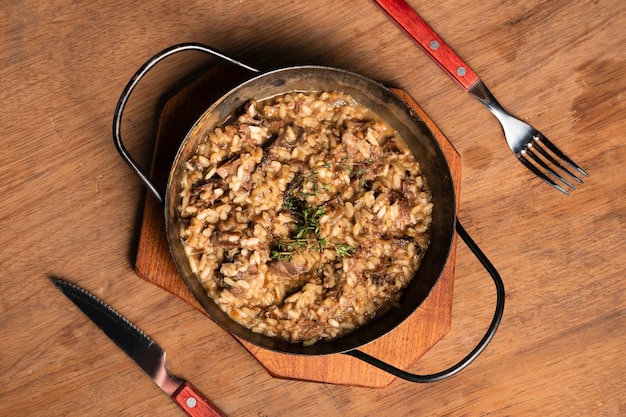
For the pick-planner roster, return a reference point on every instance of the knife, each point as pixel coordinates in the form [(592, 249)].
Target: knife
[(140, 348)]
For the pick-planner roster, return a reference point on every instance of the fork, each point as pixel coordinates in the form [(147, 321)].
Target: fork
[(529, 145)]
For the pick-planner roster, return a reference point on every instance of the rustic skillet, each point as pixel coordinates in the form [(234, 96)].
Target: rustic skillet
[(422, 143)]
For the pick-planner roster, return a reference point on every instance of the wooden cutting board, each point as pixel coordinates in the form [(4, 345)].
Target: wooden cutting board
[(401, 347)]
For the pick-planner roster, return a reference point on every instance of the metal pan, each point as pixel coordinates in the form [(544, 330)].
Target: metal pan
[(391, 108)]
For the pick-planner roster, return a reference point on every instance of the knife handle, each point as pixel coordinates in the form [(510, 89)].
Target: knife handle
[(194, 403), (430, 42)]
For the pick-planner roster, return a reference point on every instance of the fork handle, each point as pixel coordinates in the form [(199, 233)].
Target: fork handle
[(430, 42)]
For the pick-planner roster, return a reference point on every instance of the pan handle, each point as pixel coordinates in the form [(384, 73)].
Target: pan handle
[(121, 104), (453, 370)]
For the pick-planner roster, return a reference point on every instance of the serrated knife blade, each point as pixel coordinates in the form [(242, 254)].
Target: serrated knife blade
[(144, 351)]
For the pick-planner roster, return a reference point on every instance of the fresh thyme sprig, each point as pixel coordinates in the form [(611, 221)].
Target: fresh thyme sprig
[(306, 233), (287, 247), (307, 229), (342, 250)]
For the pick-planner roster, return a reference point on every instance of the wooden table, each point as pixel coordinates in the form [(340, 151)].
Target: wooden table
[(71, 208)]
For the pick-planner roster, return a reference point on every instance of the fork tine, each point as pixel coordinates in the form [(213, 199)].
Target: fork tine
[(540, 174), (560, 154), (536, 145), (545, 166)]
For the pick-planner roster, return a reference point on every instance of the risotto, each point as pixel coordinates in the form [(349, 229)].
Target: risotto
[(304, 216)]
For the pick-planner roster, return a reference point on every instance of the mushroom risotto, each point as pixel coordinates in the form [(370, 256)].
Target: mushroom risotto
[(305, 216)]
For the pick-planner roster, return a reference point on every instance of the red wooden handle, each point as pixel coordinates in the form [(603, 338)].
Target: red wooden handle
[(194, 403), (430, 42)]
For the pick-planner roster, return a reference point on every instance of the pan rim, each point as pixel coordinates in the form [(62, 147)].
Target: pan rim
[(341, 344)]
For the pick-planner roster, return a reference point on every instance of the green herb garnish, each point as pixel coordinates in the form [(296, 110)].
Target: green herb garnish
[(343, 250), (306, 234)]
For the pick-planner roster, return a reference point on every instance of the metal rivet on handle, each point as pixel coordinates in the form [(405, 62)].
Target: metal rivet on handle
[(191, 402), (461, 71), (434, 45)]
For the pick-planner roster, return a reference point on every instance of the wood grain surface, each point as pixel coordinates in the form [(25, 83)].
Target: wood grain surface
[(72, 208)]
